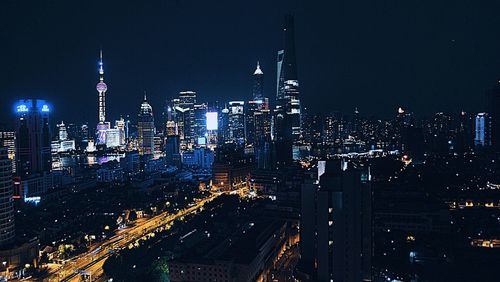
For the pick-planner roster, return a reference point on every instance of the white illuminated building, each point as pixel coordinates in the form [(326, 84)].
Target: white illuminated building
[(212, 127), (120, 125), (113, 138), (67, 145), (63, 134)]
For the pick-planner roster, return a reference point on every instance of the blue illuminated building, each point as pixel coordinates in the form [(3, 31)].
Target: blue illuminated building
[(483, 130), (32, 137)]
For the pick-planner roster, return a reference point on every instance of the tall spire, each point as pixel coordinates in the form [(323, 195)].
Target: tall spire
[(145, 98), (101, 68)]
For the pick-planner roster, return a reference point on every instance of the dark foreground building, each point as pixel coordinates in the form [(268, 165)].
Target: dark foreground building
[(335, 226)]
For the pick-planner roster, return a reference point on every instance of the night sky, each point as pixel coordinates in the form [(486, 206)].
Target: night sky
[(427, 55)]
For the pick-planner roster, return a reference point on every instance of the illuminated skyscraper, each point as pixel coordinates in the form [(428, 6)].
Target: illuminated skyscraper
[(287, 65), (200, 121), (254, 107), (223, 127), (33, 148), (8, 139), (483, 130), (287, 85), (258, 84), (7, 231), (146, 128), (251, 109), (120, 125), (170, 123), (183, 115), (237, 122), (63, 133), (101, 88), (212, 118)]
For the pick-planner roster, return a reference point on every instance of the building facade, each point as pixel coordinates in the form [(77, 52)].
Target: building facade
[(146, 129), (7, 231), (33, 146), (336, 229)]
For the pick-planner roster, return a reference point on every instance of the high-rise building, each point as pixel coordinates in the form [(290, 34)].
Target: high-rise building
[(101, 87), (146, 128), (282, 135), (170, 122), (223, 127), (159, 143), (287, 63), (120, 125), (200, 121), (258, 84), (251, 109), (212, 127), (262, 126), (7, 231), (263, 139), (33, 147), (237, 122), (8, 139), (483, 130), (63, 134), (172, 150), (254, 106), (287, 87), (335, 225), (183, 115)]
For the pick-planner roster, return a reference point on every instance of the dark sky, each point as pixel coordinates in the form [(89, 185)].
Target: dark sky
[(428, 55)]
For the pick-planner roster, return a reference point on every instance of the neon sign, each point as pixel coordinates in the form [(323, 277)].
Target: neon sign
[(22, 108)]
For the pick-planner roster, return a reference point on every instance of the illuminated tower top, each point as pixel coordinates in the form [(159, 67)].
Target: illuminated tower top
[(146, 109), (258, 71), (287, 80), (101, 86)]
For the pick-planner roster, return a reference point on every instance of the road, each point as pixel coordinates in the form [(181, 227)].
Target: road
[(283, 270), (91, 262)]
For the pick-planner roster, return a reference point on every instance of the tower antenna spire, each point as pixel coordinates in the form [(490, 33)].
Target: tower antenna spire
[(101, 67)]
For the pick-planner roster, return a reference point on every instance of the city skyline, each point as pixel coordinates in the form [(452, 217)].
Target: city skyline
[(276, 141), (333, 62)]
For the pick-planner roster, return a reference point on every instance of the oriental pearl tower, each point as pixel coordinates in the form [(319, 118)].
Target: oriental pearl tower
[(101, 88)]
